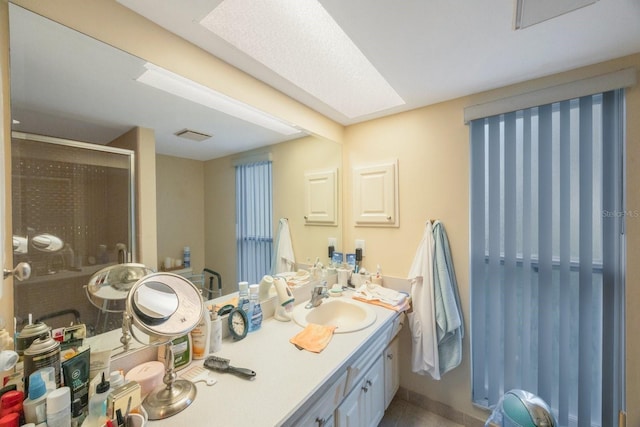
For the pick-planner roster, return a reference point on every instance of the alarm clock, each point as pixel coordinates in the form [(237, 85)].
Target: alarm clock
[(238, 324)]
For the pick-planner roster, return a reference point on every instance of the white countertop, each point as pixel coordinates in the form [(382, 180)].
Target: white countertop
[(286, 377)]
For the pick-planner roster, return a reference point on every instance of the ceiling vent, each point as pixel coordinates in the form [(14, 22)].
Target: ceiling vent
[(193, 135)]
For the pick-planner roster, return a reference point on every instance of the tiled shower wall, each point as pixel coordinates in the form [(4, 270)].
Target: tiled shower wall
[(83, 200)]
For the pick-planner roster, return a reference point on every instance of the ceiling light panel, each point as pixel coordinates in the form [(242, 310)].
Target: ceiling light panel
[(300, 41), (175, 84), (531, 12)]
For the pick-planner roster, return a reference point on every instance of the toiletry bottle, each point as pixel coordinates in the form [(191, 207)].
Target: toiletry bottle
[(255, 318), (59, 407), (77, 413), (200, 337), (116, 379), (34, 406), (186, 260), (11, 403), (215, 343), (98, 405), (243, 297)]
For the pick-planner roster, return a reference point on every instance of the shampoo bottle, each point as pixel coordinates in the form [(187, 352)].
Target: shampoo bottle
[(200, 336)]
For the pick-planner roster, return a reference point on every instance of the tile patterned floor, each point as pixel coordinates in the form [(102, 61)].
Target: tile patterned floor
[(404, 414)]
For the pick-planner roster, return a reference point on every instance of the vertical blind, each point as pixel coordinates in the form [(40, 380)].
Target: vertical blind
[(253, 220), (547, 222)]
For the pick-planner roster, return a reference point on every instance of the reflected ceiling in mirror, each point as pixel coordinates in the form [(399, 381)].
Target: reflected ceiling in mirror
[(69, 85)]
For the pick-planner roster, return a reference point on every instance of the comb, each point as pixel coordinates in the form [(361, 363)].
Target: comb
[(198, 373)]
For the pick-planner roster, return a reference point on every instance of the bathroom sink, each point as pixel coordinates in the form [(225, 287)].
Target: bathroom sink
[(346, 314)]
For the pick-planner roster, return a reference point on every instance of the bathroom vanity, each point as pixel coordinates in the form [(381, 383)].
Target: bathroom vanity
[(350, 383)]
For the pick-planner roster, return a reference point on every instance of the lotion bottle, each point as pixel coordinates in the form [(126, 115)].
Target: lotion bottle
[(200, 336)]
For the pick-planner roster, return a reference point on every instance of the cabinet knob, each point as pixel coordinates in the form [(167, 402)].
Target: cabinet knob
[(321, 421), (365, 388), (388, 218), (389, 356), (369, 383)]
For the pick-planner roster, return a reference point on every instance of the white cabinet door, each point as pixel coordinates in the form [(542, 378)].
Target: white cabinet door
[(375, 195), (321, 197), (391, 370), (348, 413), (364, 406), (374, 395)]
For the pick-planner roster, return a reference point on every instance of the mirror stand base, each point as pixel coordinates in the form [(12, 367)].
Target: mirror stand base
[(169, 400)]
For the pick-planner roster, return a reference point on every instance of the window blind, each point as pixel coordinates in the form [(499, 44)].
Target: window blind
[(547, 256), (254, 213)]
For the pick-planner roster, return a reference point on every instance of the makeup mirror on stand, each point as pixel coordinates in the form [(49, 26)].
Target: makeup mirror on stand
[(165, 306)]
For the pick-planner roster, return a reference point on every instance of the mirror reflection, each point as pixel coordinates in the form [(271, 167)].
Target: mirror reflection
[(154, 302), (67, 85)]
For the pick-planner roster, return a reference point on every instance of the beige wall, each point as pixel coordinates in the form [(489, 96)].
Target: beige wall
[(180, 209), (143, 142), (6, 302), (431, 145)]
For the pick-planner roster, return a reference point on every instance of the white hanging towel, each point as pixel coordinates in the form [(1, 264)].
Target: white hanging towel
[(283, 258), (424, 352)]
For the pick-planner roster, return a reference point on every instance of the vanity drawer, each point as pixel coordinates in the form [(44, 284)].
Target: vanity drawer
[(357, 369), (321, 412)]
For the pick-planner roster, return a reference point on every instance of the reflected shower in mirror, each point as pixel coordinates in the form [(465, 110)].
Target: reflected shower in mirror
[(72, 215)]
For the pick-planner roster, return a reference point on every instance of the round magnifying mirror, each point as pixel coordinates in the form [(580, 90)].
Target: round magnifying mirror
[(165, 306)]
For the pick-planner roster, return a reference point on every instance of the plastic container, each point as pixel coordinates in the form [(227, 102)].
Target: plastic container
[(215, 340), (116, 379), (255, 318), (10, 420), (182, 352), (77, 413), (186, 257), (200, 337), (34, 406), (11, 403), (243, 296), (59, 407), (98, 405)]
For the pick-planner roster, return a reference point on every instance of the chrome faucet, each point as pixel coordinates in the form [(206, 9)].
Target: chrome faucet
[(317, 294)]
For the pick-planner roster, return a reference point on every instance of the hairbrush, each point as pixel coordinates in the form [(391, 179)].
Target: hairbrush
[(220, 364)]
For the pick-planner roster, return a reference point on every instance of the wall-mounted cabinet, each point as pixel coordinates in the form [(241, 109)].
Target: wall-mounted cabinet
[(375, 195), (321, 197)]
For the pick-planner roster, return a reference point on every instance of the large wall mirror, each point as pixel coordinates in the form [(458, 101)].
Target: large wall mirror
[(67, 85)]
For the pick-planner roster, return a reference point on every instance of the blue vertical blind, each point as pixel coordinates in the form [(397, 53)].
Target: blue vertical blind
[(547, 256), (254, 215)]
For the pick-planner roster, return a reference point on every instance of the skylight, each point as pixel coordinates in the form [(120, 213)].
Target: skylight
[(300, 41)]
